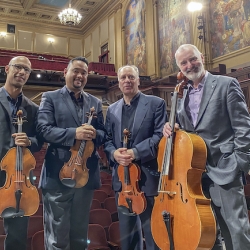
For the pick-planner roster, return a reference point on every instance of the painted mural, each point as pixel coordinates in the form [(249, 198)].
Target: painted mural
[(135, 35), (230, 25), (174, 30)]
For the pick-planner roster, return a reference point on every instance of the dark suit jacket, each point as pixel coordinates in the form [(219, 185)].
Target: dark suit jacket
[(224, 124), (56, 124), (7, 128), (149, 120)]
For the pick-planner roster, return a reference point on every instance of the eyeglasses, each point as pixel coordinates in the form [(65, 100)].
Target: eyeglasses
[(20, 67)]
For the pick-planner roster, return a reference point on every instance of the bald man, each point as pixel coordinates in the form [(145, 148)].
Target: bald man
[(11, 100)]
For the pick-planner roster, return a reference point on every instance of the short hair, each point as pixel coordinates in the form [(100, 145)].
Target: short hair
[(79, 58), (128, 66), (184, 47)]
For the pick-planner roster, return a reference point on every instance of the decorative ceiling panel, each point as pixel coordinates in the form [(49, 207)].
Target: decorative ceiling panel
[(45, 12)]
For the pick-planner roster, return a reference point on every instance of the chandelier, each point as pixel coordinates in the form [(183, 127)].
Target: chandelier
[(70, 16)]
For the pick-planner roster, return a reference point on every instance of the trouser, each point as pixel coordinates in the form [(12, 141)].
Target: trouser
[(66, 218)]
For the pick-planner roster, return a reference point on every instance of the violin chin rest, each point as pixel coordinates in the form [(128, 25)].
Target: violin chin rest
[(10, 212), (68, 182), (124, 210)]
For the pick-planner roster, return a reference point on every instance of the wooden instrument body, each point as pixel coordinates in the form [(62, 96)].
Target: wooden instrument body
[(130, 189), (76, 168), (192, 220), (15, 180)]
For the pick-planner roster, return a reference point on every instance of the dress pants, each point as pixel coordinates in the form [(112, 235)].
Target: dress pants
[(229, 205), (16, 233), (131, 228), (66, 218)]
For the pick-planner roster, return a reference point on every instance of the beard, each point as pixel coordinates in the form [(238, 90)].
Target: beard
[(195, 72)]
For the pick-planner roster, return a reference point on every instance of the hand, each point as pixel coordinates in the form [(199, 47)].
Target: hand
[(131, 153), (122, 157), (85, 132), (21, 139), (167, 130)]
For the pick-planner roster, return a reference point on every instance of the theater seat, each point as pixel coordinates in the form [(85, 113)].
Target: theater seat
[(37, 241), (97, 238)]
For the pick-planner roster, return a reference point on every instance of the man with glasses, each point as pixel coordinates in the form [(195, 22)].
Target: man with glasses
[(62, 122), (144, 116), (12, 99)]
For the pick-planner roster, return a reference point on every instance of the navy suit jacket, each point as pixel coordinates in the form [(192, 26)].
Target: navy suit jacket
[(56, 123), (146, 133)]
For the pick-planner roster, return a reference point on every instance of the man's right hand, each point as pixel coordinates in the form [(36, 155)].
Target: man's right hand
[(167, 130), (122, 157), (85, 132)]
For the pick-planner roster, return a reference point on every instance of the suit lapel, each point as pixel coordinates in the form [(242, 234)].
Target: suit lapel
[(5, 104), (118, 116), (208, 91), (69, 103), (86, 107), (140, 113)]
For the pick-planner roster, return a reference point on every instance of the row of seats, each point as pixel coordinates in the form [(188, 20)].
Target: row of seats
[(34, 55)]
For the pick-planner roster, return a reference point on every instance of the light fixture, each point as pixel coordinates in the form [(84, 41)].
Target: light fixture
[(70, 16), (51, 40), (194, 6), (3, 34)]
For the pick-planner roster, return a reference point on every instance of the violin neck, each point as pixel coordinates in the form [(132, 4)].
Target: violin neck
[(83, 142), (168, 151)]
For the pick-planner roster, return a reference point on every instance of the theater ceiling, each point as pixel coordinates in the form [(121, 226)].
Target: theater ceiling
[(40, 13)]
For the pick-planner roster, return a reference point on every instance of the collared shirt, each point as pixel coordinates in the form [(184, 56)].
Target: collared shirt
[(14, 103), (128, 114), (78, 103), (194, 100)]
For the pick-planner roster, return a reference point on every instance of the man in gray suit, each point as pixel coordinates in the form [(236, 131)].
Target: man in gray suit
[(214, 107), (12, 99), (144, 116), (61, 122)]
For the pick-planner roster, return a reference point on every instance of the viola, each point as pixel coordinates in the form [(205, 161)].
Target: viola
[(74, 173), (182, 217), (131, 201), (18, 196)]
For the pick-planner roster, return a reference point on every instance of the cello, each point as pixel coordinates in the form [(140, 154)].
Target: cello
[(18, 196), (131, 201), (182, 217), (74, 173)]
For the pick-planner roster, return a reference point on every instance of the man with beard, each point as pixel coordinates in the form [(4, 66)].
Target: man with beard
[(214, 107), (11, 100), (62, 122)]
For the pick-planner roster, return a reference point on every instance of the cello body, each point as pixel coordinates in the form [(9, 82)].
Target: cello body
[(192, 222)]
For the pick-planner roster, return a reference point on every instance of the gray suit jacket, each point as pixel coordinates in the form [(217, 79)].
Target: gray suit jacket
[(7, 128), (224, 124), (56, 124), (149, 120)]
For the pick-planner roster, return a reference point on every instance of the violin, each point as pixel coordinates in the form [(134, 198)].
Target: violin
[(182, 217), (131, 201), (18, 196), (74, 173)]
